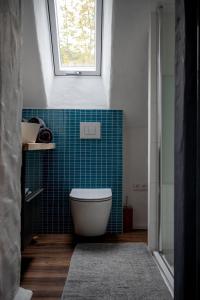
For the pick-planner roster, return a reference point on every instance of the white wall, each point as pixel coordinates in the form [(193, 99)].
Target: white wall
[(44, 43), (130, 60), (129, 91), (136, 173), (34, 94), (77, 92), (107, 45)]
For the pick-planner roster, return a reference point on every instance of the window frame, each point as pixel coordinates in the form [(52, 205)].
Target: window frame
[(55, 45)]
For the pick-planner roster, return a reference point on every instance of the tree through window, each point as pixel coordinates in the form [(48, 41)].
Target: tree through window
[(76, 36)]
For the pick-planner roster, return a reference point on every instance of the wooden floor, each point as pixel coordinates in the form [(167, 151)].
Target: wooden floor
[(45, 263)]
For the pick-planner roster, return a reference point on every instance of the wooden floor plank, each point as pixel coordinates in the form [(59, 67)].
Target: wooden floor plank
[(45, 263)]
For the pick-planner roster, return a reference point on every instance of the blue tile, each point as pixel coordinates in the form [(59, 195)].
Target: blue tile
[(76, 163)]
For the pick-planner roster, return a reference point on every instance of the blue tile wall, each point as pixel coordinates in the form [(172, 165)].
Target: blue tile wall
[(76, 163)]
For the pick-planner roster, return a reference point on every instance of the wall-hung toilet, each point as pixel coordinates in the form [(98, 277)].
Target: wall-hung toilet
[(90, 210)]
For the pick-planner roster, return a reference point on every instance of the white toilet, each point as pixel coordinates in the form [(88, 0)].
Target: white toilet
[(90, 210)]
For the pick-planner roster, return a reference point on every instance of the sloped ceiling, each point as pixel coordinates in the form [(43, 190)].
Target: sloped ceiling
[(34, 94)]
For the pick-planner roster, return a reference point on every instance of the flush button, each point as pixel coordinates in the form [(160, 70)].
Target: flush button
[(90, 130)]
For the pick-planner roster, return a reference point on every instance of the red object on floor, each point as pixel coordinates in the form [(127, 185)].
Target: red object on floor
[(127, 219)]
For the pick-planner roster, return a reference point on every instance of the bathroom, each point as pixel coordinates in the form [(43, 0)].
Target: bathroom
[(88, 149)]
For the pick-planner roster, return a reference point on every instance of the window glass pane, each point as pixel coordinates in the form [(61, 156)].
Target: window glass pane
[(77, 34)]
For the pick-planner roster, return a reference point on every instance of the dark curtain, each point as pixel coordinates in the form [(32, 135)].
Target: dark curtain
[(187, 142)]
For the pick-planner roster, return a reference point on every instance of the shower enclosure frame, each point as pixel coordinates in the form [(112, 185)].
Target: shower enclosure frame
[(162, 262), (187, 151)]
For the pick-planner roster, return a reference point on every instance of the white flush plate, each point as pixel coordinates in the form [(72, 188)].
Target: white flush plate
[(90, 130)]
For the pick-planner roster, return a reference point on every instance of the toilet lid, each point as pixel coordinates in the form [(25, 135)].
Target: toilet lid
[(91, 194)]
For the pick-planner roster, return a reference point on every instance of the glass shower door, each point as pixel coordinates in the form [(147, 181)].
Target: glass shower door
[(167, 97)]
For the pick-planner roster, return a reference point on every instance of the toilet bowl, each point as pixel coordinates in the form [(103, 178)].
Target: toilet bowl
[(90, 210)]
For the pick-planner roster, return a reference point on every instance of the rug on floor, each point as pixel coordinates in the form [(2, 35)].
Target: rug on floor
[(114, 271)]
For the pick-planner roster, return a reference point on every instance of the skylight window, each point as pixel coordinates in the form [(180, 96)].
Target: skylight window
[(76, 36)]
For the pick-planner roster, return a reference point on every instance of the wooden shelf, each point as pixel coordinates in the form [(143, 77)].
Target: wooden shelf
[(38, 146)]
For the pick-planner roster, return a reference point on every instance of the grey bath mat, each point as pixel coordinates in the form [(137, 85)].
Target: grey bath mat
[(112, 272)]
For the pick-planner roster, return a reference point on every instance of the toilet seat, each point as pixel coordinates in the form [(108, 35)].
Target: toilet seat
[(91, 195)]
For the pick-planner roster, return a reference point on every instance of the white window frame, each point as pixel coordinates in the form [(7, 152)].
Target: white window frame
[(54, 38)]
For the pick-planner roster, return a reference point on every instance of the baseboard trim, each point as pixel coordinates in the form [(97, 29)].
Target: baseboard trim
[(140, 227)]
